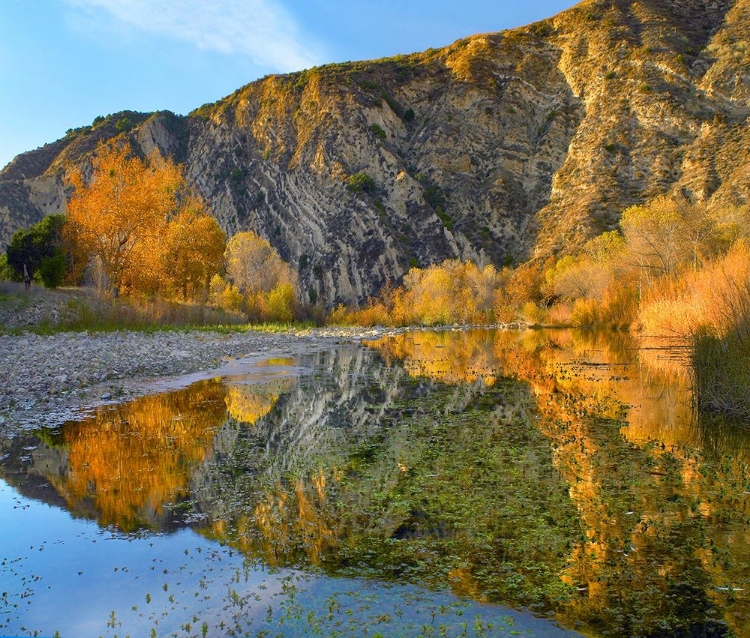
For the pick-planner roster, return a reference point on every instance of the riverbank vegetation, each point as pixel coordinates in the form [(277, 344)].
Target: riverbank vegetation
[(148, 253), (135, 228), (658, 274), (257, 282), (147, 242), (679, 270), (675, 269)]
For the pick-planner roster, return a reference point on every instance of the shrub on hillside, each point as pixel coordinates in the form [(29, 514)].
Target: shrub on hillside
[(361, 182), (378, 131)]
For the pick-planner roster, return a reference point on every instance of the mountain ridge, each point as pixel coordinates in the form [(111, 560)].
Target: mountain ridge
[(499, 148)]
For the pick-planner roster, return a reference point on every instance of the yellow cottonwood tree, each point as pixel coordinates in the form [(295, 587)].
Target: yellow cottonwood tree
[(253, 265), (139, 219), (193, 249), (667, 234), (126, 204), (267, 284)]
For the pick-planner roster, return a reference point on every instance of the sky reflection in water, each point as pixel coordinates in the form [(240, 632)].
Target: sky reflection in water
[(558, 471)]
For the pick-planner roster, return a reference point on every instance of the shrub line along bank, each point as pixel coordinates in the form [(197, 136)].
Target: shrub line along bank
[(676, 268)]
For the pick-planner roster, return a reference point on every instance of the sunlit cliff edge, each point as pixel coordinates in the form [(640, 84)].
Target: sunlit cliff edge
[(499, 148)]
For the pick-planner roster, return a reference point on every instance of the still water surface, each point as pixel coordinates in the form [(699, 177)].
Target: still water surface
[(474, 483)]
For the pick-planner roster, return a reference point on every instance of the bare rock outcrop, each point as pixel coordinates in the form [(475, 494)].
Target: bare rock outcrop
[(499, 148)]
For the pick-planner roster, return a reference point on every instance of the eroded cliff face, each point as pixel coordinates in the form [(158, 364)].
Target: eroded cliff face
[(498, 148)]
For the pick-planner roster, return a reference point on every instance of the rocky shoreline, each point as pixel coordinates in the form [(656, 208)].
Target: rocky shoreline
[(48, 379)]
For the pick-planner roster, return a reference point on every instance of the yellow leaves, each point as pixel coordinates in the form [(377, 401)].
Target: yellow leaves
[(662, 210), (153, 442), (452, 292), (617, 277), (667, 235), (260, 282), (606, 247), (140, 221), (193, 249), (225, 295), (447, 293), (248, 403), (281, 302), (254, 266)]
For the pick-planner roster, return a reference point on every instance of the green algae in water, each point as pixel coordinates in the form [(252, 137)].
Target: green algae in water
[(432, 495), (560, 472)]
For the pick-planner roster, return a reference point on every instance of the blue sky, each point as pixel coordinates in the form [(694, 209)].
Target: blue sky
[(63, 62)]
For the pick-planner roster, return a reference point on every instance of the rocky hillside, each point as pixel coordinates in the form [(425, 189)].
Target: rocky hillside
[(499, 148)]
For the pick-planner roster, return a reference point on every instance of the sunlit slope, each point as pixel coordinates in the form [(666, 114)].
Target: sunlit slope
[(498, 148)]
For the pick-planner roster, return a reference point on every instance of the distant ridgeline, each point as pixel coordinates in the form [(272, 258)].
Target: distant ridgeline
[(497, 149)]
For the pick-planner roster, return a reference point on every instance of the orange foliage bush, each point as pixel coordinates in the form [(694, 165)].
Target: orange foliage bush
[(715, 299)]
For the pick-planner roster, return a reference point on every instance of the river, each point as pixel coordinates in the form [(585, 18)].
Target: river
[(456, 483)]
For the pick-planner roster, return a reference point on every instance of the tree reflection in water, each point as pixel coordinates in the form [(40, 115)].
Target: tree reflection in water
[(661, 492), (561, 471)]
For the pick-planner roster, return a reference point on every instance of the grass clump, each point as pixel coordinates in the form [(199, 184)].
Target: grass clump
[(96, 314), (721, 373), (103, 315), (711, 308)]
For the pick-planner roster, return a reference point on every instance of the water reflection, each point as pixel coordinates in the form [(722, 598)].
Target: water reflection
[(661, 492), (560, 471), (124, 463)]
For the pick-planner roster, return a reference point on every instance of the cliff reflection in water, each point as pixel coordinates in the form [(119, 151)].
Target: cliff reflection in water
[(561, 471), (662, 493), (366, 471)]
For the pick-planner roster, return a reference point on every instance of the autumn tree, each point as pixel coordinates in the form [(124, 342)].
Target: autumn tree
[(598, 283), (588, 275), (666, 234), (193, 251), (256, 271), (253, 265), (127, 203), (432, 293), (139, 219), (483, 284), (450, 292)]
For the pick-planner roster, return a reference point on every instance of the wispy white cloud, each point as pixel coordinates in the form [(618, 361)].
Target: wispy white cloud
[(261, 29)]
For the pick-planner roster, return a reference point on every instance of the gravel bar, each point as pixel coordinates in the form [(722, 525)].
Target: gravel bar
[(49, 379)]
